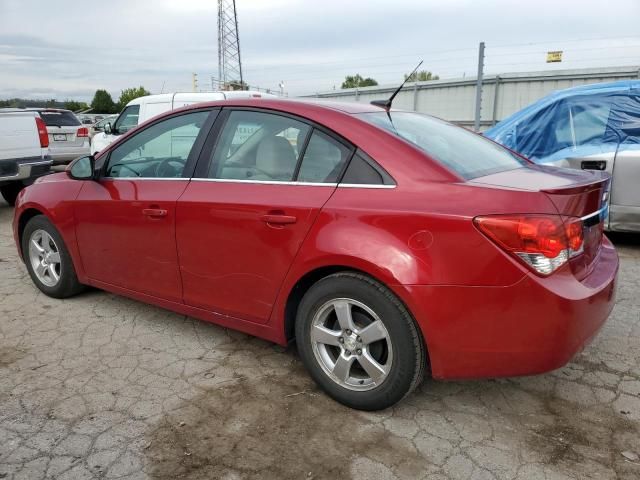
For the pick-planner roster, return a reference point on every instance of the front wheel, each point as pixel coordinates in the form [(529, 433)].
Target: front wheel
[(359, 342), (48, 260)]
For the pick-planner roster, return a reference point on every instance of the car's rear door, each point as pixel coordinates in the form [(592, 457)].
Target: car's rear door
[(126, 219), (252, 201)]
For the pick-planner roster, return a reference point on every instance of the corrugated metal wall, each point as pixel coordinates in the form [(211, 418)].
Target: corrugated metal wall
[(454, 100)]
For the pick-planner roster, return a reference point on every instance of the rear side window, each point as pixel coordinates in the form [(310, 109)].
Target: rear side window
[(258, 146), (466, 153), (59, 119), (323, 159)]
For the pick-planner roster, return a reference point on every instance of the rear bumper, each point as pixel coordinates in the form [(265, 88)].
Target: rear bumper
[(24, 169), (66, 154), (533, 326)]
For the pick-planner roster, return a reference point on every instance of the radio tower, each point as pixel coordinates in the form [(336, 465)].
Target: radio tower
[(229, 64)]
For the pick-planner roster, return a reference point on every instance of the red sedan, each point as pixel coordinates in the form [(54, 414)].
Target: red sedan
[(385, 243)]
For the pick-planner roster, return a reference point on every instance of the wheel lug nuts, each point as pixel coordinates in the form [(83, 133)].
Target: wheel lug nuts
[(341, 340), (348, 332), (359, 352), (347, 352)]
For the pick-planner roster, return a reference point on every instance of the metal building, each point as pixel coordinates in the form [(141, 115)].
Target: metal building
[(503, 94)]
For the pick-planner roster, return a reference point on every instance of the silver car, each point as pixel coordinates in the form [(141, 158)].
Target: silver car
[(99, 125), (590, 127), (68, 138)]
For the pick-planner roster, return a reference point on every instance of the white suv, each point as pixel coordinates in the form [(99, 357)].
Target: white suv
[(68, 138)]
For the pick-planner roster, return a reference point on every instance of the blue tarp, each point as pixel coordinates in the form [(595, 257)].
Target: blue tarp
[(582, 120)]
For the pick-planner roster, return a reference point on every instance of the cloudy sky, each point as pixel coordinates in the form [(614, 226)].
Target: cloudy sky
[(68, 49)]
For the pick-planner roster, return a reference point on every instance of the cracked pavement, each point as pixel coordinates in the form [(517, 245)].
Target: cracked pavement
[(100, 386)]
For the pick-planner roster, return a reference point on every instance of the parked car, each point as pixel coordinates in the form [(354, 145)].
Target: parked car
[(24, 154), (387, 244), (591, 127), (99, 125), (68, 138), (141, 109)]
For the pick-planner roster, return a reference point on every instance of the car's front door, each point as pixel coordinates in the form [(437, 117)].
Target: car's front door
[(240, 225), (126, 220)]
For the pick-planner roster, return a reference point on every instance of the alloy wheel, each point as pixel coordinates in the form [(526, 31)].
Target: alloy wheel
[(351, 344), (44, 256)]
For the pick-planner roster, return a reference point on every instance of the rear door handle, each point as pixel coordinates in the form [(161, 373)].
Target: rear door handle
[(154, 212), (279, 219)]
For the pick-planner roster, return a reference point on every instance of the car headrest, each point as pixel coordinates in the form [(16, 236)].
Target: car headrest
[(276, 158)]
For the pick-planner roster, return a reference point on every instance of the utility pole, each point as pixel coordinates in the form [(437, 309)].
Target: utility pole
[(476, 123), (229, 62), (194, 82)]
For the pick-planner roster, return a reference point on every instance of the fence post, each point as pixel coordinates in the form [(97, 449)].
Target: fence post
[(494, 119), (476, 124)]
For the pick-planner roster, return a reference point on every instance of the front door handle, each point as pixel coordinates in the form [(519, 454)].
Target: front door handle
[(154, 212), (593, 165), (276, 219)]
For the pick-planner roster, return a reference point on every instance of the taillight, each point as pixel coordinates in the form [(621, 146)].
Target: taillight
[(543, 242), (42, 133), (82, 132)]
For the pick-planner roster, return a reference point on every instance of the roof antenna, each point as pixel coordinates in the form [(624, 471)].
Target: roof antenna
[(386, 104)]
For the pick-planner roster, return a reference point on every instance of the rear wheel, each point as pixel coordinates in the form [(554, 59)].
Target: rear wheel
[(48, 260), (358, 341), (10, 192)]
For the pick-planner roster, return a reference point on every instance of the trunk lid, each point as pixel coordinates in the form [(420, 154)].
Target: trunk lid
[(575, 193)]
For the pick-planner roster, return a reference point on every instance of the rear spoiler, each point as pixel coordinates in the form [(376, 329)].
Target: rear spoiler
[(602, 181)]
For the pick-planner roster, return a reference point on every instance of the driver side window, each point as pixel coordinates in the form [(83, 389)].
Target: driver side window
[(159, 151)]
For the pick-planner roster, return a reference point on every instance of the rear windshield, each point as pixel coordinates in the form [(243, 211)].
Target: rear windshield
[(466, 153), (59, 119)]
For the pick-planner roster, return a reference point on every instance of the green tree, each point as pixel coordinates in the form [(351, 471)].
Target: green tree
[(355, 81), (129, 94), (75, 106), (421, 76), (103, 103)]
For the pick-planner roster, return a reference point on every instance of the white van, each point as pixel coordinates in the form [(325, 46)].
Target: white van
[(143, 108)]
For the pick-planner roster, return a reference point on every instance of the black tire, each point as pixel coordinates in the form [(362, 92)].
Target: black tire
[(10, 192), (67, 284), (409, 357)]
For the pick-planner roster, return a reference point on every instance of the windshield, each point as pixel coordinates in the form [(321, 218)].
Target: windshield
[(53, 118), (461, 150)]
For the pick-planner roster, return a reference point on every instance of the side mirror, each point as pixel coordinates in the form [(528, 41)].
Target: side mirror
[(108, 129), (631, 129), (82, 168)]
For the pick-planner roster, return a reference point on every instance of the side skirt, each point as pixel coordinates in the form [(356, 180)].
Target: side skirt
[(266, 332)]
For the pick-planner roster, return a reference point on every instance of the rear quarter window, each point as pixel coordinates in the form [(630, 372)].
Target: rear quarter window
[(363, 170), (59, 119)]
